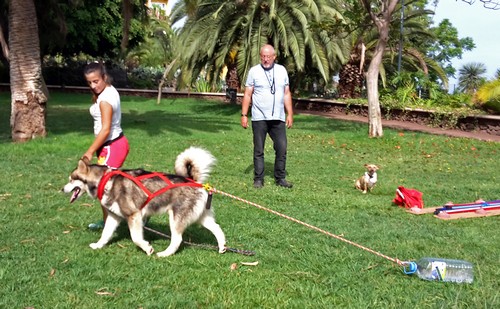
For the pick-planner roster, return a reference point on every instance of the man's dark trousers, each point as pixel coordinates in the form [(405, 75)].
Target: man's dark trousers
[(277, 131)]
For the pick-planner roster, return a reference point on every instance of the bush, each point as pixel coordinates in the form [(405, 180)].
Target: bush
[(144, 77)]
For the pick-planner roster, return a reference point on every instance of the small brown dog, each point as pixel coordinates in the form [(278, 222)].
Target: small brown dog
[(369, 179)]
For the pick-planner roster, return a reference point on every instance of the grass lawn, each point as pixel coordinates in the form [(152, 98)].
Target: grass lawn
[(47, 263)]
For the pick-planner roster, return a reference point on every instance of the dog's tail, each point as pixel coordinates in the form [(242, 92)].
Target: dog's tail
[(195, 163)]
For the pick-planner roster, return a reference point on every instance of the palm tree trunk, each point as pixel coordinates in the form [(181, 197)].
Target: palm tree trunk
[(232, 82), (28, 91), (351, 75), (164, 78)]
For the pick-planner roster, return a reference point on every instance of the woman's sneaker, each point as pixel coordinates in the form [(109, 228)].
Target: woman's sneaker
[(99, 225)]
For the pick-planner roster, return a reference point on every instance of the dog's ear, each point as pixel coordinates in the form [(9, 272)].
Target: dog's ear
[(85, 160), (83, 164)]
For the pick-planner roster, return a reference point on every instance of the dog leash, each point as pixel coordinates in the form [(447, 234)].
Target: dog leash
[(394, 260), (205, 246)]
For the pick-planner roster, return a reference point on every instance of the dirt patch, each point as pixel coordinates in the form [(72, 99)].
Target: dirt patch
[(406, 125)]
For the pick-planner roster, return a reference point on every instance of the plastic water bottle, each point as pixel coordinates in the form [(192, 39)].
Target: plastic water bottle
[(436, 269)]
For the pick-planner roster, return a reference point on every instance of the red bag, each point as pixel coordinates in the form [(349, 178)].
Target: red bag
[(408, 198)]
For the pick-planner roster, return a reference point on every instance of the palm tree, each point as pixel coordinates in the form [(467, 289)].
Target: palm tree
[(157, 47), (471, 77), (488, 96), (28, 91), (227, 33), (413, 59)]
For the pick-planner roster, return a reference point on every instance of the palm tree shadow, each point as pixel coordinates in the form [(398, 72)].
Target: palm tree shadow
[(268, 169), (63, 120)]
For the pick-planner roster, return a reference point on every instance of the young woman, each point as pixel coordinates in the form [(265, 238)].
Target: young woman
[(110, 145)]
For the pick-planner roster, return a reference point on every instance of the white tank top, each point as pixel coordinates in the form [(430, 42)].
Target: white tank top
[(111, 96)]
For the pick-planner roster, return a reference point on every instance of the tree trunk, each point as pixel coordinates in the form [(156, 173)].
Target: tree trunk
[(232, 82), (374, 114), (28, 91), (382, 22), (163, 79), (127, 17), (351, 75)]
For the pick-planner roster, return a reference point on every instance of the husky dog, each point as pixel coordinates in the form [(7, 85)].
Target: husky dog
[(369, 179), (136, 194)]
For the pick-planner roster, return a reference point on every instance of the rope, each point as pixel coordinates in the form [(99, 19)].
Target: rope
[(394, 260)]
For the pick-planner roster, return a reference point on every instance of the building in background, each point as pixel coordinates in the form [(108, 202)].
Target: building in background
[(159, 8)]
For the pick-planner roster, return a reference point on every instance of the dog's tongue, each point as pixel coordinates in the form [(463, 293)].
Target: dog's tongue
[(75, 194)]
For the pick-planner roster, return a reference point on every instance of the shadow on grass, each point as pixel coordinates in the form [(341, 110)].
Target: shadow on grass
[(195, 236), (300, 121), (63, 119), (268, 168), (198, 236)]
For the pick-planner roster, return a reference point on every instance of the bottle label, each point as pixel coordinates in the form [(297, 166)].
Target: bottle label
[(438, 270)]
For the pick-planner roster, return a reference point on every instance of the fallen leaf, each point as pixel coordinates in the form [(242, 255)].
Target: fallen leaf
[(103, 292), (66, 232), (234, 266), (52, 272)]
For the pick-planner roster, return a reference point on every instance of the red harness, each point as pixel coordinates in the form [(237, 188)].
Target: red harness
[(137, 180)]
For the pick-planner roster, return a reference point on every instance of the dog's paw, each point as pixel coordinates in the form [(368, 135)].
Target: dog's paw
[(167, 252), (149, 250), (364, 192), (164, 254), (96, 245), (222, 250)]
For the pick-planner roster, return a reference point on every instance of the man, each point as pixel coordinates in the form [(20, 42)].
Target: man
[(267, 87)]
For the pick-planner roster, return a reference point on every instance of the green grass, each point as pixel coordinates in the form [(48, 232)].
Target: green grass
[(46, 261)]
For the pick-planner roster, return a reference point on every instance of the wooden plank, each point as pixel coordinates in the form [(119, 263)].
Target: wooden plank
[(421, 211)]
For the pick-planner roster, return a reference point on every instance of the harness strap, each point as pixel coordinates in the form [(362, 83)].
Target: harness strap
[(137, 180)]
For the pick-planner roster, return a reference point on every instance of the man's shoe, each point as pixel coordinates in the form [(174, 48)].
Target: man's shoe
[(283, 183), (258, 184)]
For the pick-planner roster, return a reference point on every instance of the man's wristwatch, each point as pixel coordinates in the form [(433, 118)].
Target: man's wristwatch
[(243, 115)]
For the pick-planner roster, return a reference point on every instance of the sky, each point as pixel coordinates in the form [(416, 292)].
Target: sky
[(480, 24)]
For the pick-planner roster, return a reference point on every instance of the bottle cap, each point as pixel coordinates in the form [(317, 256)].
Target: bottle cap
[(410, 268)]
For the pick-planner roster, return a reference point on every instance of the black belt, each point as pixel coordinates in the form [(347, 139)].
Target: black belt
[(107, 143)]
